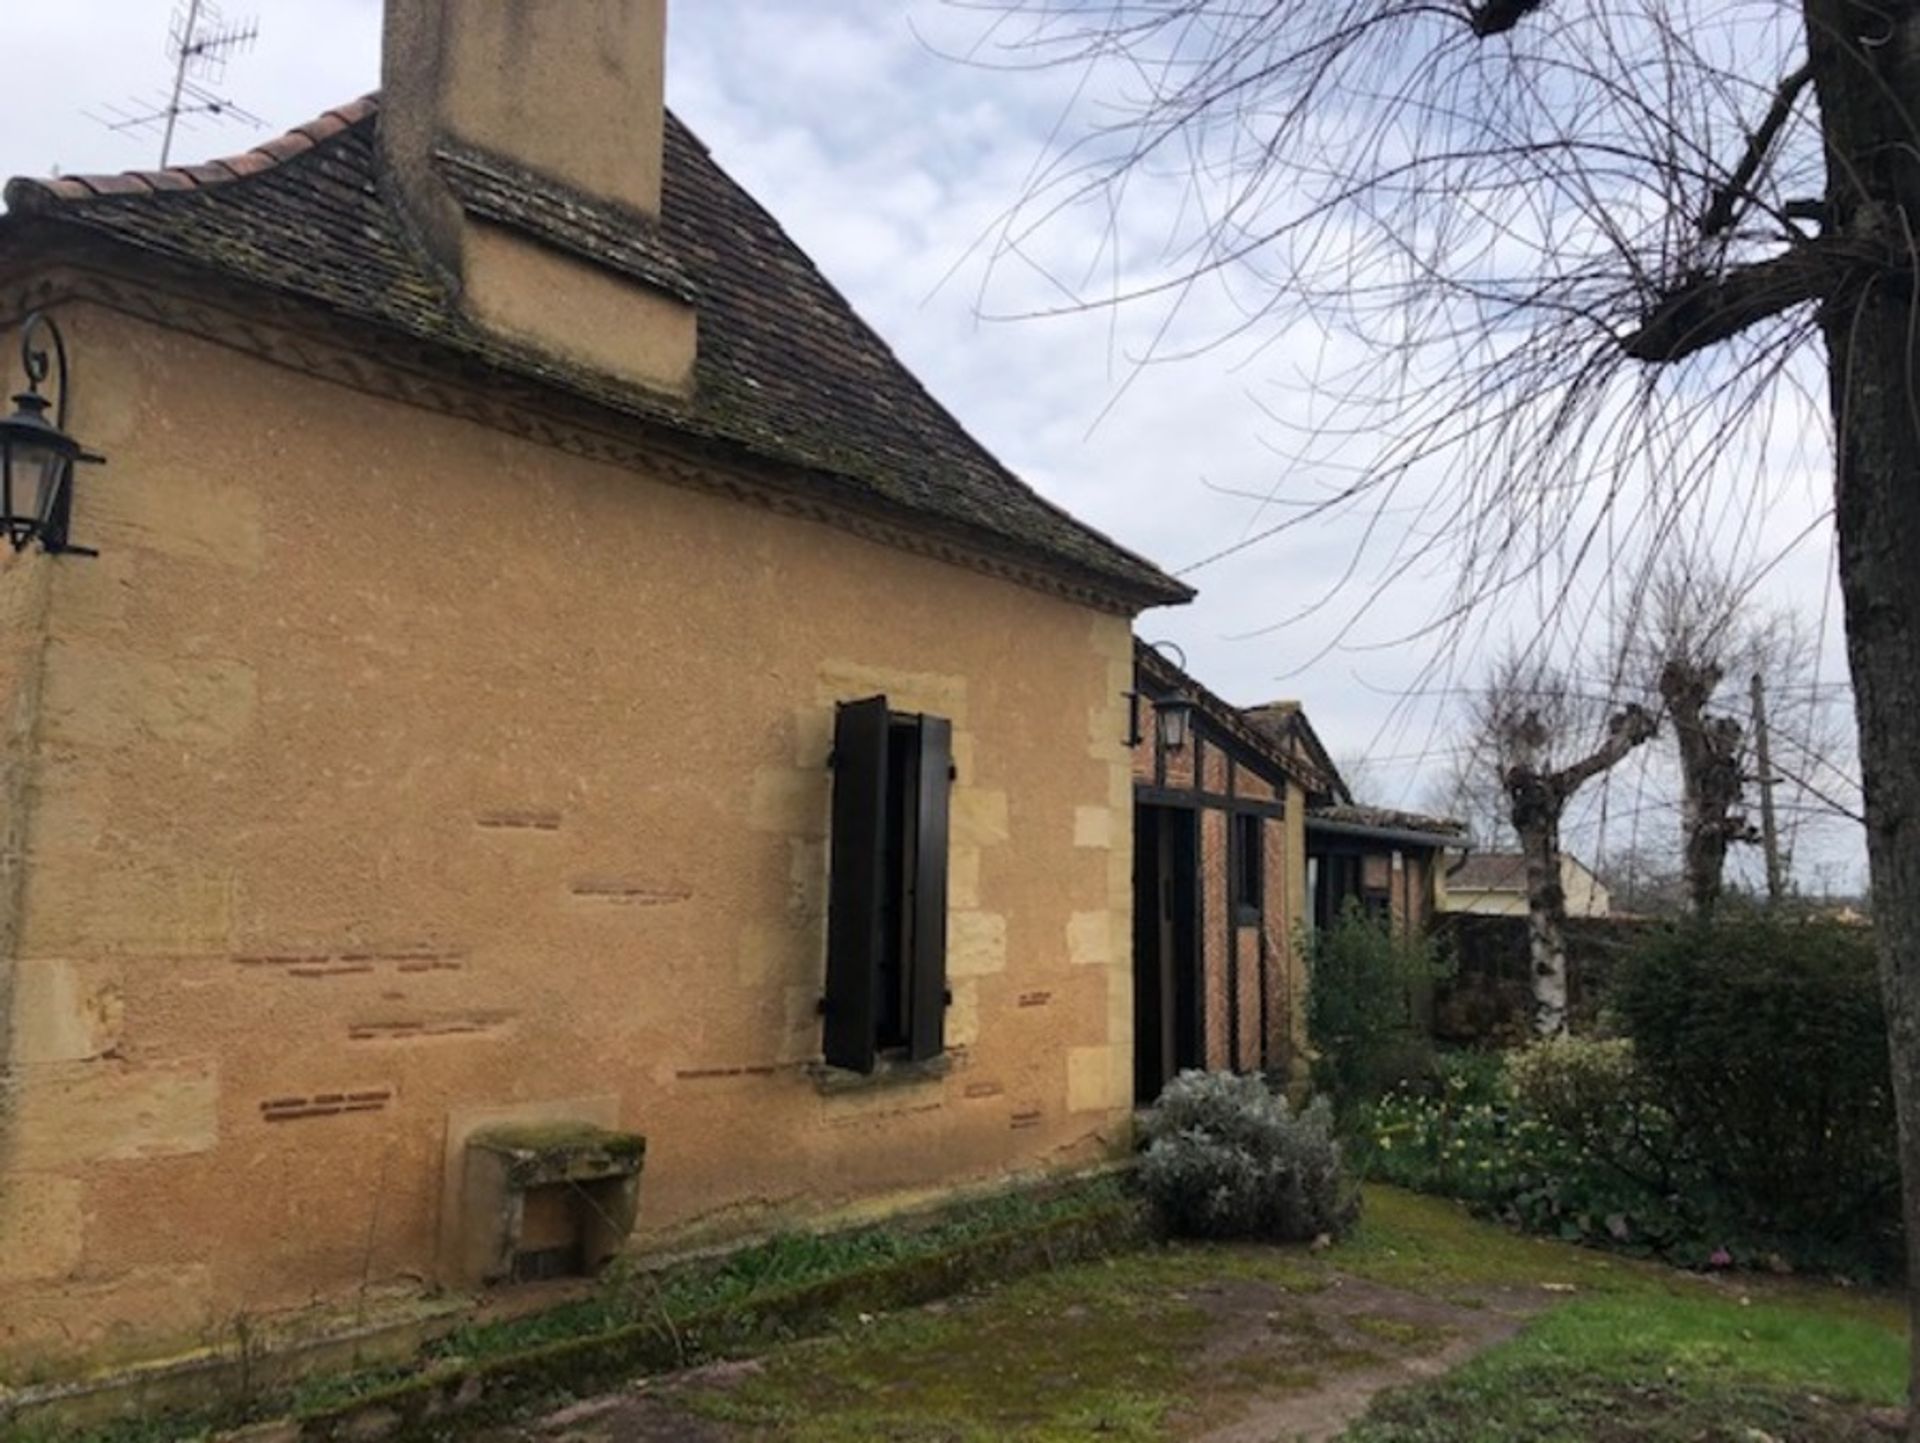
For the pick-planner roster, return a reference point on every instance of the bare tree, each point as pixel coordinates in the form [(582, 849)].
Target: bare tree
[(1549, 739), (1360, 772), (1467, 788), (1645, 882), (1580, 257), (1701, 637)]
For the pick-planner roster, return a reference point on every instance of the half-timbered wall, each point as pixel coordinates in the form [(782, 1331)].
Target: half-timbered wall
[(1251, 975)]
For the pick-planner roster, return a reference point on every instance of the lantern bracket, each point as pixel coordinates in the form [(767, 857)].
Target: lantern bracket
[(43, 357)]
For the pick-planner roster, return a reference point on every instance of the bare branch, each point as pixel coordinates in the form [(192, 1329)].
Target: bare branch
[(1631, 726), (1704, 310), (1722, 209)]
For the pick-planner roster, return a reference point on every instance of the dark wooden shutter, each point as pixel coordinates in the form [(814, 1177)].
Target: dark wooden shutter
[(929, 960), (853, 905)]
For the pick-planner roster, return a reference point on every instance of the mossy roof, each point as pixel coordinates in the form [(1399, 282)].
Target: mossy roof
[(786, 370)]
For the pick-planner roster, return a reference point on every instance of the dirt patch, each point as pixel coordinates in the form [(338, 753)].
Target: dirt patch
[(1230, 1358), (650, 1411), (1353, 1340)]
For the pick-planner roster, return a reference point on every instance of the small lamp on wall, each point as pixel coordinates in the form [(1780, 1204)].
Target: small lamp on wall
[(1173, 718), (37, 456), (1172, 713)]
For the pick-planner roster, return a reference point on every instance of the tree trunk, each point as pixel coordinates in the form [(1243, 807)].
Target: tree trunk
[(1546, 941), (1866, 63), (1536, 800), (1710, 780), (1535, 803)]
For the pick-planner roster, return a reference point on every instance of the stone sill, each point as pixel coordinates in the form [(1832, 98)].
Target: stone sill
[(887, 1072)]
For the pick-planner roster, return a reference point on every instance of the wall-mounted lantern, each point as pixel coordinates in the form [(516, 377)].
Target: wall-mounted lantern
[(37, 456), (1173, 717), (1172, 713)]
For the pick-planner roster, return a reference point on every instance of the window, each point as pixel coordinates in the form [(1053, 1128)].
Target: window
[(1340, 876), (887, 894), (1249, 870)]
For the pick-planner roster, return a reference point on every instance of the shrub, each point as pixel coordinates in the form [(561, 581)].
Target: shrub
[(1764, 1036), (1564, 1141), (1226, 1157), (1596, 1095), (1360, 1005), (1471, 1075), (1747, 1116)]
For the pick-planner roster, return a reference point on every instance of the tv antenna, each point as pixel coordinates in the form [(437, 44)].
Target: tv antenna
[(200, 42)]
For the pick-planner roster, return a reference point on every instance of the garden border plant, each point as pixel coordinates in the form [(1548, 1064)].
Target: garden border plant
[(1745, 1120), (1364, 981)]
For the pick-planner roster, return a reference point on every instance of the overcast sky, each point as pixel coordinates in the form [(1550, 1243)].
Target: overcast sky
[(889, 163)]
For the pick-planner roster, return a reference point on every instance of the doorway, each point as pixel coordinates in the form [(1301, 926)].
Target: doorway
[(1166, 973)]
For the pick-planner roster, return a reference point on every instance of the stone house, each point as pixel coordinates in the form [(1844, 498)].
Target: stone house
[(1494, 884), (549, 679)]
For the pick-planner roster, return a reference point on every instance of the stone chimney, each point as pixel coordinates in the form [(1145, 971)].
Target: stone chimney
[(498, 119)]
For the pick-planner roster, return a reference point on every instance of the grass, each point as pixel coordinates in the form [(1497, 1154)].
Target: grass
[(1117, 1350), (1129, 1350), (1429, 1245), (1169, 1341), (1635, 1350), (782, 1263)]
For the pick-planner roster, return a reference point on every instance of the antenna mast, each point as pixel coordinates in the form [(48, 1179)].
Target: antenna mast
[(200, 41)]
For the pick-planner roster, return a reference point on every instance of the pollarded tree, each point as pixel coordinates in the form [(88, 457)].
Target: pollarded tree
[(1576, 255), (1700, 640), (1548, 739)]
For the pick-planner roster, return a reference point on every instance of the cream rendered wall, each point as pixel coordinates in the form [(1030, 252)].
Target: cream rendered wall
[(393, 774), (1586, 896)]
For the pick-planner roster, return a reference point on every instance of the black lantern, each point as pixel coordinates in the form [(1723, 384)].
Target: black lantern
[(37, 456), (1173, 715)]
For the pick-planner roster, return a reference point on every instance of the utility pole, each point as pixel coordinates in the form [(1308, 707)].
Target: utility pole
[(1769, 832)]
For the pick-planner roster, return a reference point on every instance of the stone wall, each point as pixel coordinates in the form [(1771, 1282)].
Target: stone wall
[(1489, 1000), (393, 777)]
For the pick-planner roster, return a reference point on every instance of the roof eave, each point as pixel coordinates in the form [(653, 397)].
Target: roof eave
[(1407, 836), (41, 231)]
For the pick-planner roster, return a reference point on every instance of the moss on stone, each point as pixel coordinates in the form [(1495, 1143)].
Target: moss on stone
[(562, 1137), (1128, 1348)]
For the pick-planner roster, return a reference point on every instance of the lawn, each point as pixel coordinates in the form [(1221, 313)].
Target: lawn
[(1426, 1326), (1635, 1351)]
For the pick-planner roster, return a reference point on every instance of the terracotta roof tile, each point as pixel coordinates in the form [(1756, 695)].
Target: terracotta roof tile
[(251, 163), (321, 127), (785, 368), (128, 184), (165, 180), (1489, 872), (295, 142), (286, 147)]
